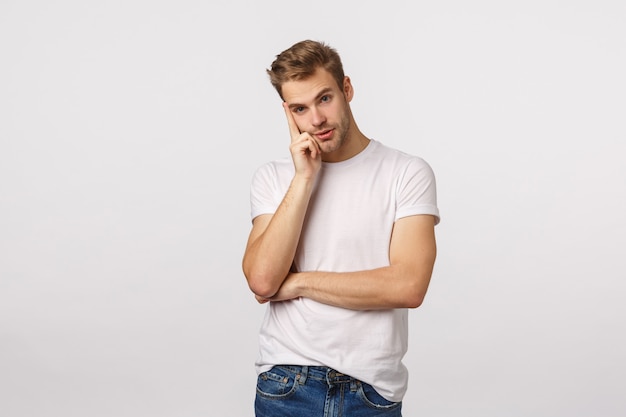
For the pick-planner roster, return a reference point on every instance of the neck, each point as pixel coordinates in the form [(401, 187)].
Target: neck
[(353, 144)]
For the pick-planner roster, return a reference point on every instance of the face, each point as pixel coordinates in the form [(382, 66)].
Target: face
[(320, 107)]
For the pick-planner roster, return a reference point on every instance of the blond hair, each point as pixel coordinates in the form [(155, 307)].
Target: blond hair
[(301, 61)]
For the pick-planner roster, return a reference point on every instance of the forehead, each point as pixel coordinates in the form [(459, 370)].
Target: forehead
[(307, 90)]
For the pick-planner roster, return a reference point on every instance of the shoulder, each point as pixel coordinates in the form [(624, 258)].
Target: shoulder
[(272, 178), (274, 169), (400, 160)]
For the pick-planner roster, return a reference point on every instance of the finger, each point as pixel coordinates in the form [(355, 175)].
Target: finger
[(306, 144), (294, 131), (261, 300), (314, 146)]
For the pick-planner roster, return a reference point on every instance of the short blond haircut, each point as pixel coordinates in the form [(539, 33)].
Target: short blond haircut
[(301, 61)]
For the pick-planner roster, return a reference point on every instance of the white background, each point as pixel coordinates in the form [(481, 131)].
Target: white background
[(129, 131)]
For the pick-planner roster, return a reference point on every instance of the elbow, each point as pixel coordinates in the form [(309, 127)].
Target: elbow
[(413, 296), (414, 300), (261, 287), (417, 281), (260, 282)]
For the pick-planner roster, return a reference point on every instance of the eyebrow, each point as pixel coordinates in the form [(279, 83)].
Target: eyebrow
[(319, 95)]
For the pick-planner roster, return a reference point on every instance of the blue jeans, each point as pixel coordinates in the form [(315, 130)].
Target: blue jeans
[(317, 391)]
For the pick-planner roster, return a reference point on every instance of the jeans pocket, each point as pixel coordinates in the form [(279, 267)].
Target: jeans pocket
[(277, 383), (373, 399)]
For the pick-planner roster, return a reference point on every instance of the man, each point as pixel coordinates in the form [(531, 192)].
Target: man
[(342, 244)]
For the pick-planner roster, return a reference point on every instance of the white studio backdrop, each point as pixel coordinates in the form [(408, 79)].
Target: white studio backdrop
[(129, 131)]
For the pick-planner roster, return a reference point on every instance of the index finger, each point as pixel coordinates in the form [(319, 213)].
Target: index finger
[(294, 131)]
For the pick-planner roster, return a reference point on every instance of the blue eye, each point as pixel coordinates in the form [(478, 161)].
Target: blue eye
[(325, 98)]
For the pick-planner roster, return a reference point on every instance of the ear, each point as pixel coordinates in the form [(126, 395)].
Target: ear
[(348, 91)]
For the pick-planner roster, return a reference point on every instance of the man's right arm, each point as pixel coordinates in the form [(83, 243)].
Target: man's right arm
[(274, 239)]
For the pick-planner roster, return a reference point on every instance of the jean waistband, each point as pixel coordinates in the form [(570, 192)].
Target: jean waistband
[(321, 373)]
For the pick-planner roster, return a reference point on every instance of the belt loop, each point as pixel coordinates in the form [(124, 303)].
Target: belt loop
[(353, 385), (303, 374)]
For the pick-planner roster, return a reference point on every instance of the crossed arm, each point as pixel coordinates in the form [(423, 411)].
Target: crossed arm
[(402, 284)]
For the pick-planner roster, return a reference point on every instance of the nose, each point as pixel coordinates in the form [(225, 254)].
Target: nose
[(317, 117)]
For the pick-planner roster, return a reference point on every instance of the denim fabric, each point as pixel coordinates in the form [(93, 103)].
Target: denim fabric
[(317, 391)]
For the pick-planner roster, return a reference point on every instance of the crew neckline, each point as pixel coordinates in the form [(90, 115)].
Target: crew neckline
[(355, 159)]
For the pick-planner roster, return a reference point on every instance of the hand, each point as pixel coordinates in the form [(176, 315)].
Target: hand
[(260, 299), (305, 151)]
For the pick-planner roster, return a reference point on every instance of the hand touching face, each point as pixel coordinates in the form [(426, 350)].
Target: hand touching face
[(305, 151)]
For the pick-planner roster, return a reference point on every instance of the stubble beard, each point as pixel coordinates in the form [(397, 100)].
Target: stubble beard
[(341, 133)]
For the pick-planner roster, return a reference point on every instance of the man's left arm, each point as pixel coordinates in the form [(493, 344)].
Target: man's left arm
[(402, 284)]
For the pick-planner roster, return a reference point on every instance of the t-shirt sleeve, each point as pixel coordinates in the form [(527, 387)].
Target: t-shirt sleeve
[(263, 191), (417, 191)]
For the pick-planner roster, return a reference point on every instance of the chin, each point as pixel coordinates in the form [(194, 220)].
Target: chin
[(329, 149), (331, 145)]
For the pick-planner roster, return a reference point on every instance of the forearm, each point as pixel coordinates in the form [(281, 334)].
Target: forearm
[(397, 286), (269, 255)]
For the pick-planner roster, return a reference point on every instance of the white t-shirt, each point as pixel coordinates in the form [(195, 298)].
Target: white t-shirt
[(347, 228)]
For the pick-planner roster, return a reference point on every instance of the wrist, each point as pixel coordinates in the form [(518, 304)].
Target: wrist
[(297, 281), (303, 181)]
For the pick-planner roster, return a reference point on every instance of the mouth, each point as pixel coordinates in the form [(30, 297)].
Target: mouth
[(325, 134)]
